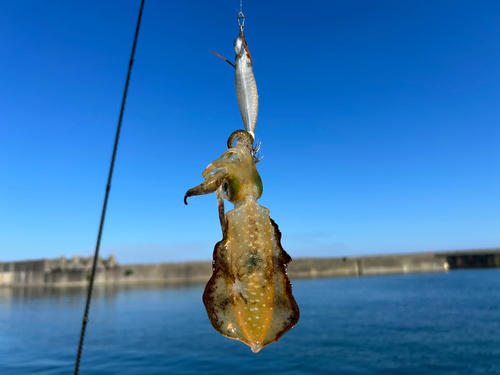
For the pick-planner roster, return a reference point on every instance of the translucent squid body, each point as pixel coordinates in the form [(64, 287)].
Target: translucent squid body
[(249, 296)]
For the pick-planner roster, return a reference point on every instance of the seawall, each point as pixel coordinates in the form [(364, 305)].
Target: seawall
[(76, 271)]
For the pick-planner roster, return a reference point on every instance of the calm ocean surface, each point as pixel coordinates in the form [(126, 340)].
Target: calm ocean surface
[(402, 324)]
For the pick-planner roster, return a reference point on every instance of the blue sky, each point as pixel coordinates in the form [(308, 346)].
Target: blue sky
[(379, 124)]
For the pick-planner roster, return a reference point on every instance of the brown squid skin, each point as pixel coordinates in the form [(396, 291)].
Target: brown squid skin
[(249, 296)]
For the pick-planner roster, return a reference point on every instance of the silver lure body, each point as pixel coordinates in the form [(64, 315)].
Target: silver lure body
[(246, 87)]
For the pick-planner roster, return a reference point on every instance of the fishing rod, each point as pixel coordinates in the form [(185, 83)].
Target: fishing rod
[(108, 188)]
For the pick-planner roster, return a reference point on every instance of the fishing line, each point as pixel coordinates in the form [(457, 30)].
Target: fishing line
[(108, 188)]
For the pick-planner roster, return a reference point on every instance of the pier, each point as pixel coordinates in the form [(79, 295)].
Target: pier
[(76, 271)]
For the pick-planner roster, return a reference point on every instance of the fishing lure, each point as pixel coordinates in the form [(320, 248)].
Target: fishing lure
[(246, 87), (249, 296)]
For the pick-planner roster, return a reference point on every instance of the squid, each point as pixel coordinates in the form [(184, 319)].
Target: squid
[(249, 296)]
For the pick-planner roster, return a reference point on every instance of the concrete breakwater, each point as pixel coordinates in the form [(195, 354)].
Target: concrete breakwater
[(76, 271)]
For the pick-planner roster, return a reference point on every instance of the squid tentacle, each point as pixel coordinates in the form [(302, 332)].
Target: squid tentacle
[(210, 185), (247, 139)]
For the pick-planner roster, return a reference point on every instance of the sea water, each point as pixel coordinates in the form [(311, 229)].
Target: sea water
[(442, 323)]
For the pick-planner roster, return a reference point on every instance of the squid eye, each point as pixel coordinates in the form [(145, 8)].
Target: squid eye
[(225, 190)]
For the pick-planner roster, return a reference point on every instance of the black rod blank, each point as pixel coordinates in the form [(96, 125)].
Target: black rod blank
[(108, 188)]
